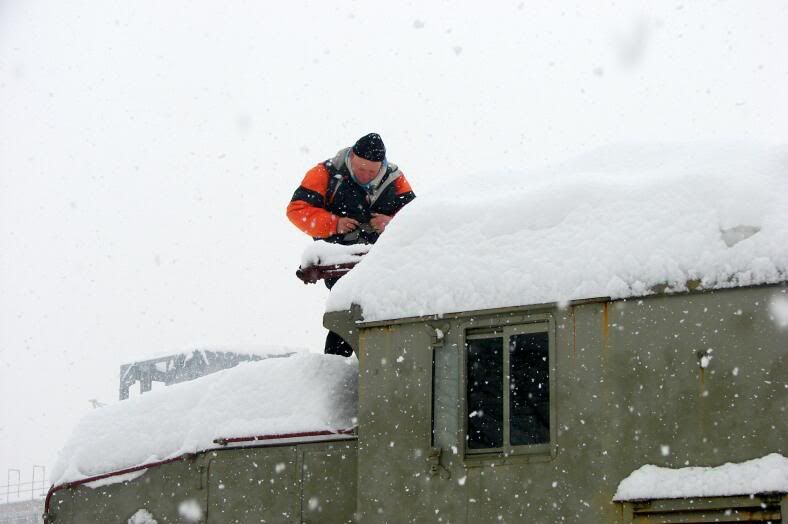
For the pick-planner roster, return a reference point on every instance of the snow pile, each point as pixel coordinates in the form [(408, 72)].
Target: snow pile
[(768, 474), (614, 223), (321, 253), (190, 510), (142, 516), (300, 393)]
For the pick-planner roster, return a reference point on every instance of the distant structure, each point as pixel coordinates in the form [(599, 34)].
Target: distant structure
[(181, 367), (22, 512), (22, 502)]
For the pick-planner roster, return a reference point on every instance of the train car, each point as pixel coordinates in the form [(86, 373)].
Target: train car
[(266, 441), (603, 342), (536, 414)]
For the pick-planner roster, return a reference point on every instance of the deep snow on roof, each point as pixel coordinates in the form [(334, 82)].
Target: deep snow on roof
[(300, 393), (615, 222), (767, 474)]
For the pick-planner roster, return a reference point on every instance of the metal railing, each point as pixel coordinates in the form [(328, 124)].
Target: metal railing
[(15, 490)]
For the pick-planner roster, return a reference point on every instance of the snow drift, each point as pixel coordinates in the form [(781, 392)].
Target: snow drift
[(300, 393), (614, 223), (768, 474)]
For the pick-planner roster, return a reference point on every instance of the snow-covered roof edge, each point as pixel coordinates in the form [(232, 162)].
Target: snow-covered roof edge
[(278, 396), (322, 253), (614, 223)]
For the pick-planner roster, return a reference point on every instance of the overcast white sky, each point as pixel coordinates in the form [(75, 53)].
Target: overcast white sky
[(148, 150)]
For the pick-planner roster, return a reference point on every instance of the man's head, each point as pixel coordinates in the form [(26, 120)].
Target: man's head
[(366, 157)]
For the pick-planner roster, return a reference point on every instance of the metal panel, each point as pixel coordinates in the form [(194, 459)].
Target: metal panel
[(159, 490), (401, 477), (254, 487), (629, 390), (328, 485)]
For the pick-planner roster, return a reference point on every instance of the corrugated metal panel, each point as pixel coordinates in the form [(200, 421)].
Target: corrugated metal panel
[(763, 508)]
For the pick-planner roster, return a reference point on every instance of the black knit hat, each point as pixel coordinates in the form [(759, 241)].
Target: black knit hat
[(370, 147)]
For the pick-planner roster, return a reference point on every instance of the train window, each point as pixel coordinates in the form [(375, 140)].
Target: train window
[(529, 389), (485, 393), (507, 389)]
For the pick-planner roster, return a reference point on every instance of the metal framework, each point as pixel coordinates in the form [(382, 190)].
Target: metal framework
[(180, 367)]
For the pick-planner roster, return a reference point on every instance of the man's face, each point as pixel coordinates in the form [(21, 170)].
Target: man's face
[(363, 169)]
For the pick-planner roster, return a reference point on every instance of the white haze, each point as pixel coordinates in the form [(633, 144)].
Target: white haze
[(148, 149)]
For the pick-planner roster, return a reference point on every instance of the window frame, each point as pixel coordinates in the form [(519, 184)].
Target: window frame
[(506, 328)]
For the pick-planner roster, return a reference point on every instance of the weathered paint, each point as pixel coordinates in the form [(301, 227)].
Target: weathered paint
[(305, 482), (626, 374)]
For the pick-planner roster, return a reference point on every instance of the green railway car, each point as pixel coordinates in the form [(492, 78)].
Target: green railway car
[(295, 482), (672, 380), (525, 353), (686, 379)]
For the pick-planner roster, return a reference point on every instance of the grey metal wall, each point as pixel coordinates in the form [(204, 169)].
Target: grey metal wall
[(629, 391)]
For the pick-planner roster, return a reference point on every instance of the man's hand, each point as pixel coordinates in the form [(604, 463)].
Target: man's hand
[(379, 222), (346, 225)]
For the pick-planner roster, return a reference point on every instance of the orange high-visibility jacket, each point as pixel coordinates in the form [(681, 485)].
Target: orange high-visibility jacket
[(328, 192)]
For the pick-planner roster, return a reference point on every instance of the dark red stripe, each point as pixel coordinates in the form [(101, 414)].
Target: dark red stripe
[(312, 274), (225, 441), (76, 483)]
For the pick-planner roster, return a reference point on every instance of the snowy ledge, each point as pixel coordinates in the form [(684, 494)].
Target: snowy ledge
[(768, 474), (321, 253), (278, 396), (618, 222)]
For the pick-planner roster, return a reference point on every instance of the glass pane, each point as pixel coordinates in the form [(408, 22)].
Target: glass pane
[(485, 393), (529, 389)]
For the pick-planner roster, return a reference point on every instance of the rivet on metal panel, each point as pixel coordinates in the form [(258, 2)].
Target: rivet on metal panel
[(704, 359), (438, 334)]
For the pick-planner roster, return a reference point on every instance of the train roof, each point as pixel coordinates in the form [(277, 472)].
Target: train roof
[(300, 395), (618, 222)]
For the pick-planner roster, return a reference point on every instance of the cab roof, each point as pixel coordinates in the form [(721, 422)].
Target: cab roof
[(616, 222)]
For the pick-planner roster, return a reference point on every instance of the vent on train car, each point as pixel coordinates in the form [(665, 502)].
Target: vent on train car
[(759, 508)]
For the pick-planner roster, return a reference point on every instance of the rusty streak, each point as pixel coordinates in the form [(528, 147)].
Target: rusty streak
[(605, 325)]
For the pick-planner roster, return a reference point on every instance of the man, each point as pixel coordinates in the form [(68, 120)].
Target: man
[(349, 199)]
